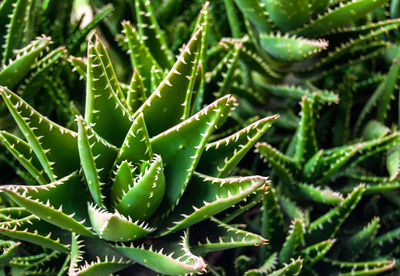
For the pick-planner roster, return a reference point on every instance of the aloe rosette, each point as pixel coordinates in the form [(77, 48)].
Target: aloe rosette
[(131, 171)]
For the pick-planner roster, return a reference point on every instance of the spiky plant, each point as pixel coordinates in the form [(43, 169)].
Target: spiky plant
[(291, 31), (35, 68), (139, 171)]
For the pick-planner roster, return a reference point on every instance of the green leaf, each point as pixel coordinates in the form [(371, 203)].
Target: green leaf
[(12, 73), (207, 196), (136, 146), (14, 29), (393, 161), (291, 269), (358, 241), (9, 250), (294, 240), (166, 105), (79, 65), (33, 230), (109, 71), (51, 143), (340, 16), (77, 38), (23, 152), (220, 157), (325, 196), (363, 268), (291, 48), (136, 93), (273, 227), (37, 79), (298, 93), (221, 236), (52, 202), (288, 14), (374, 130), (141, 56), (315, 252), (251, 57), (389, 86), (254, 11), (115, 226), (170, 256), (141, 200), (151, 34), (350, 155), (328, 224), (306, 145), (266, 268), (103, 106), (96, 158), (318, 6), (284, 166), (123, 179), (181, 147)]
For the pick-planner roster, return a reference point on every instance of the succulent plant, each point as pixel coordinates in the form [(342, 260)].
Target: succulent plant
[(140, 169)]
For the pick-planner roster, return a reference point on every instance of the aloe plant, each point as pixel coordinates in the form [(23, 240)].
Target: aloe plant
[(142, 164)]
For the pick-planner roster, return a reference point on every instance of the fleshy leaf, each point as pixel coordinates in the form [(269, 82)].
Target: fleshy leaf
[(288, 14), (166, 256), (110, 72), (294, 240), (206, 196), (306, 143), (374, 130), (223, 236), (14, 29), (152, 35), (165, 106), (188, 141), (315, 252), (23, 152), (363, 268), (328, 224), (141, 56), (59, 209), (340, 16), (256, 13), (136, 146), (32, 229), (290, 49), (38, 78), (136, 93), (335, 158), (142, 199), (116, 227), (325, 196), (97, 157), (9, 250), (51, 143), (284, 166), (220, 157), (291, 269), (266, 268), (298, 92), (393, 161), (12, 73), (123, 179), (357, 242), (104, 108), (273, 226)]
